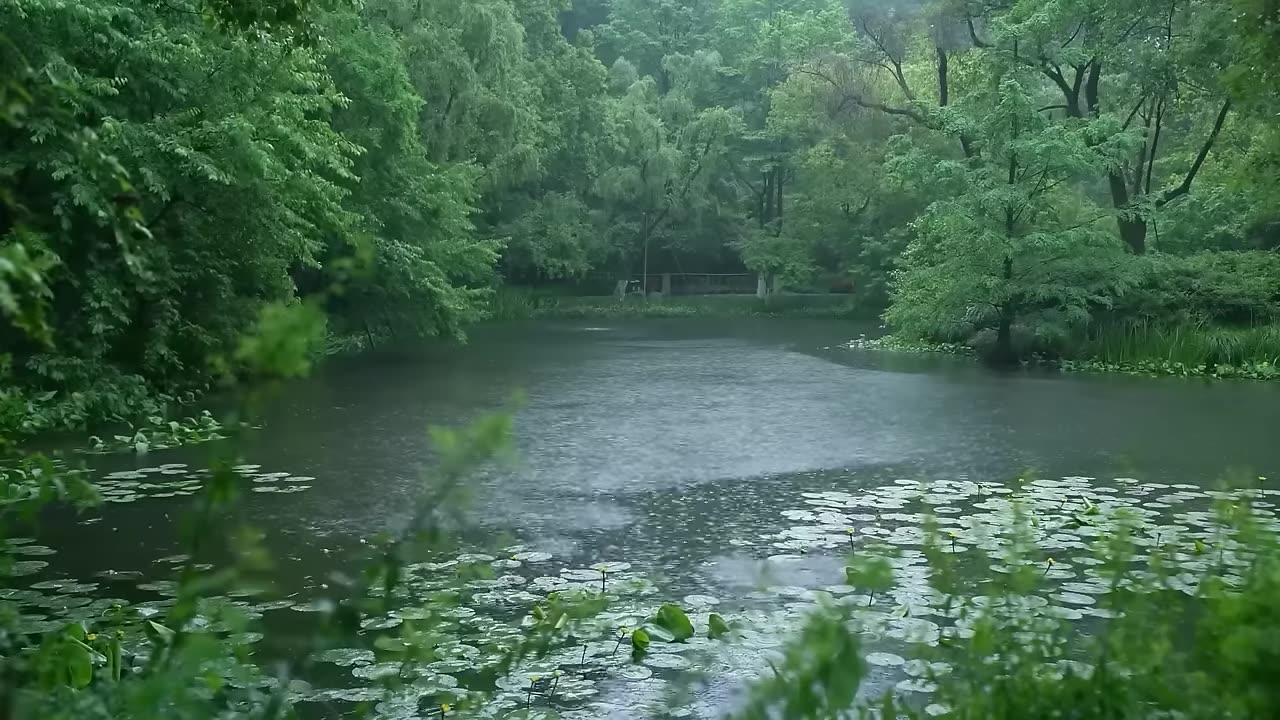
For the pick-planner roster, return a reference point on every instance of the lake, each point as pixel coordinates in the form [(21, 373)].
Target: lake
[(688, 448)]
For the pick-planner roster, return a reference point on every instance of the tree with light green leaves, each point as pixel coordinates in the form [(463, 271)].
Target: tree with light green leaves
[(1013, 245)]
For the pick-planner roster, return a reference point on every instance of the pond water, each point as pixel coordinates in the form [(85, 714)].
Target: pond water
[(691, 449)]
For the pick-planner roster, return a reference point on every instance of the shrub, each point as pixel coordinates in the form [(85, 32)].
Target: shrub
[(1230, 288)]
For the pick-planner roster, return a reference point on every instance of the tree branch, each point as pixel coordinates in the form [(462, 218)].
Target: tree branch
[(1175, 193), (896, 70), (1155, 143), (973, 33), (1133, 113), (1074, 35), (1147, 118), (1054, 73), (858, 100)]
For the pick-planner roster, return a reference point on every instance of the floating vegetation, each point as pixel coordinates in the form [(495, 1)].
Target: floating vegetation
[(1058, 522), (161, 434), (880, 544), (177, 480)]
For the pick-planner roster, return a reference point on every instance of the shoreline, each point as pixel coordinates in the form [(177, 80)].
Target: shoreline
[(1263, 370)]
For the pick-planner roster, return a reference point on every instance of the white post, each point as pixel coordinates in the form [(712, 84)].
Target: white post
[(644, 288)]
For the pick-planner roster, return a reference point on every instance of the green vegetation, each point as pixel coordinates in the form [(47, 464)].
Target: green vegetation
[(195, 194), (1010, 175), (1181, 350), (514, 304)]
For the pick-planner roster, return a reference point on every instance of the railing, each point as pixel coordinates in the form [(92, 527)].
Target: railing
[(682, 283)]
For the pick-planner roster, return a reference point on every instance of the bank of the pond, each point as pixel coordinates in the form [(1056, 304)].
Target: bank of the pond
[(1252, 354), (527, 304)]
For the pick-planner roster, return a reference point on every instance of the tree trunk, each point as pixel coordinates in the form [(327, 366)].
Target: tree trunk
[(766, 200), (944, 94), (1003, 355), (777, 214), (644, 286), (1133, 231)]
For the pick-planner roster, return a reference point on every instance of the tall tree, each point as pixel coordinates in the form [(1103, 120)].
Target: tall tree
[(1011, 243)]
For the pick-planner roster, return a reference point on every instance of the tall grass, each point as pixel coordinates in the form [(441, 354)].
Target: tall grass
[(1188, 348)]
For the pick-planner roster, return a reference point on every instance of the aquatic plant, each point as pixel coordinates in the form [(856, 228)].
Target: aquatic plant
[(1008, 642), (161, 434)]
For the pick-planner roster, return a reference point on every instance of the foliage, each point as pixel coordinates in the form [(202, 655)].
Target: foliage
[(1008, 246), (173, 168), (1159, 349), (169, 180), (160, 434), (1219, 288)]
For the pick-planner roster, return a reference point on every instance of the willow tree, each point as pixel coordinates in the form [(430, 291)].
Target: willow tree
[(545, 218), (666, 167), (764, 43)]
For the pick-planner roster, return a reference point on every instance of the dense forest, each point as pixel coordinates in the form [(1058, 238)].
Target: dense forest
[(1029, 177)]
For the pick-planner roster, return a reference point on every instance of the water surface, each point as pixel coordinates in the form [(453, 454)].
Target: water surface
[(677, 444)]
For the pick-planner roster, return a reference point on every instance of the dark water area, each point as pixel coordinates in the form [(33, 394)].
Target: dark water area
[(674, 445), (619, 416)]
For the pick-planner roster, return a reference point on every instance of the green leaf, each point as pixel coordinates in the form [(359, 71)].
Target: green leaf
[(75, 631), (78, 664), (672, 618), (391, 643), (639, 642), (716, 626), (161, 633)]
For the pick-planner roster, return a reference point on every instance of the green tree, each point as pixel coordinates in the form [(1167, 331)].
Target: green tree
[(1013, 243), (663, 174)]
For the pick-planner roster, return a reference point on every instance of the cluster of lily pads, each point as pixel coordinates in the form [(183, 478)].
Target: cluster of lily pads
[(473, 611), (897, 344), (1251, 370), (628, 648), (177, 480), (450, 639), (905, 615)]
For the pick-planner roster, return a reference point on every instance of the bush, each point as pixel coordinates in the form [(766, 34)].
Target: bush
[(1228, 288), (62, 393)]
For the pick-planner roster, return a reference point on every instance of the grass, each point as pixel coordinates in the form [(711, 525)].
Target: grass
[(1140, 348), (1189, 349), (526, 304)]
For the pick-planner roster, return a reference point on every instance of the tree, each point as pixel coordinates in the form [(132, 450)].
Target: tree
[(661, 172), (1087, 47), (765, 41), (1014, 244)]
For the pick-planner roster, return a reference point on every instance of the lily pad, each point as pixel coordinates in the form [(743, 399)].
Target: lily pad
[(345, 657), (885, 659)]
